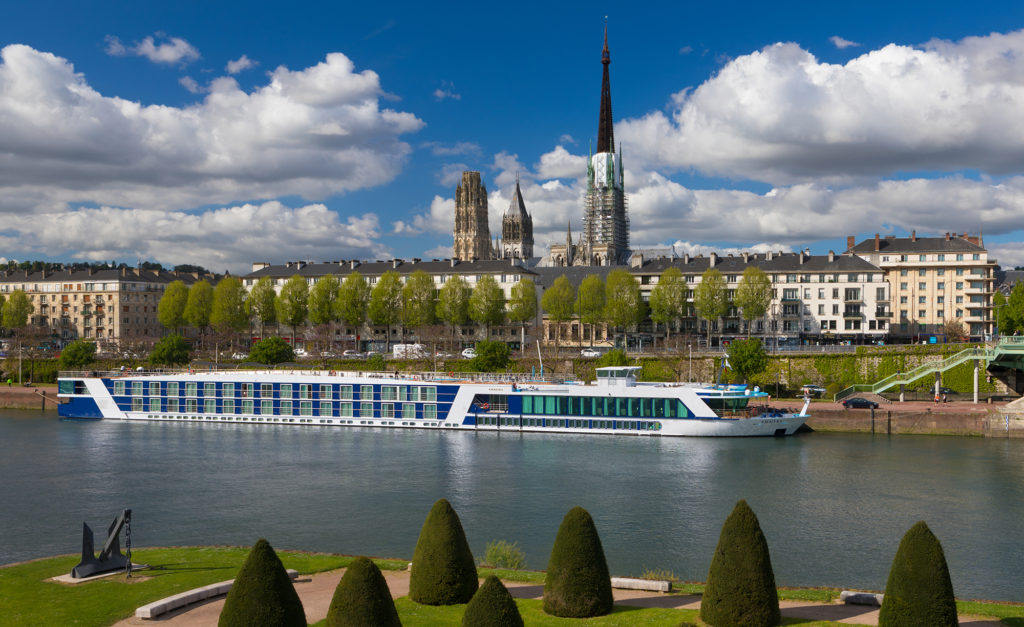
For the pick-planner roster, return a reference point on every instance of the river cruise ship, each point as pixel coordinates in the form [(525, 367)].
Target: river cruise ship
[(616, 404)]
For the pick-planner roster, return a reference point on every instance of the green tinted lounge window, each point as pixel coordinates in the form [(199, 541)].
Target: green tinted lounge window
[(345, 409), (430, 412), (387, 393), (345, 393), (366, 410), (305, 408), (227, 390), (325, 408), (210, 406), (267, 407), (285, 390), (366, 392), (409, 410), (527, 404), (247, 407), (172, 388), (210, 389), (191, 389), (286, 408), (154, 404), (550, 407), (136, 388)]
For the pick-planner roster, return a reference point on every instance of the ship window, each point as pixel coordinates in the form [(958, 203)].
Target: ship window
[(634, 407), (645, 407), (285, 391), (621, 407), (229, 406), (345, 409), (387, 392), (267, 407), (430, 412), (549, 405), (387, 410), (137, 404), (136, 388), (366, 409), (325, 408), (403, 393), (431, 394), (345, 392), (247, 406), (211, 406), (172, 404), (305, 391), (191, 405), (266, 390), (154, 388), (192, 389), (227, 389), (286, 408), (154, 404), (326, 391), (409, 410), (66, 386), (366, 392), (118, 388), (305, 407)]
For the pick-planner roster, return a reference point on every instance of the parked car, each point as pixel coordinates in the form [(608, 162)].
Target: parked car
[(328, 354), (240, 356), (443, 355), (590, 352), (469, 353), (351, 354), (859, 403), (812, 390), (301, 352)]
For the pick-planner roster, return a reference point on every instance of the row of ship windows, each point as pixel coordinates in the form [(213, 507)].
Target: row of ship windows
[(287, 408), (605, 406), (559, 423), (285, 390), (289, 420)]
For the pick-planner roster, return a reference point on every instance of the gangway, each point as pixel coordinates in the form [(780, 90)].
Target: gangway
[(1009, 351)]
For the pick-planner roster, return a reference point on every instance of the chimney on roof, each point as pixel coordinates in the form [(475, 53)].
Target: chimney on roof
[(394, 263), (259, 265), (91, 270), (712, 257), (913, 235), (851, 240), (124, 271), (769, 256), (800, 254), (877, 245), (974, 240), (352, 264), (947, 236), (637, 260), (453, 261), (746, 257), (832, 255), (686, 257)]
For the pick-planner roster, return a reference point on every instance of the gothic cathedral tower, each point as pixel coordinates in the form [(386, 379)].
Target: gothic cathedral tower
[(605, 223), (472, 235), (517, 229)]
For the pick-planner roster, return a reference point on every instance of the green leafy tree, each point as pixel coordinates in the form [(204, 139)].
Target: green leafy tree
[(262, 594), (1015, 308), (577, 584), (487, 304), (443, 570), (590, 303), (492, 606), (199, 305), (323, 300), (624, 307), (293, 303), (362, 598), (747, 358), (668, 298), (228, 311), (418, 302), (710, 299), (919, 591), (353, 299), (740, 589), (271, 350), (557, 301), (262, 303), (615, 357), (17, 310), (77, 354), (453, 303), (386, 302), (170, 350), (522, 306), (490, 357), (753, 295), (171, 309), (1004, 324)]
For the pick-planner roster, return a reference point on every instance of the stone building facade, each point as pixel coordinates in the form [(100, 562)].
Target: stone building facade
[(472, 235)]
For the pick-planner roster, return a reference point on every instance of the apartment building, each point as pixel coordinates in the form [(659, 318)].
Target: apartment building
[(934, 280), (107, 305)]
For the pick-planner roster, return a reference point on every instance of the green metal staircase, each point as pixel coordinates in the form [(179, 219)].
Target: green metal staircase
[(1008, 349)]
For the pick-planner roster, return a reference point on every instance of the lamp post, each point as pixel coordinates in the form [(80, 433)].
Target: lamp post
[(689, 348)]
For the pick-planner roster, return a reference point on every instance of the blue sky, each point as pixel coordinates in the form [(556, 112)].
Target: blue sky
[(226, 133)]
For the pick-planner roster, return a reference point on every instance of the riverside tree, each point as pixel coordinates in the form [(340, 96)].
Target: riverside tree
[(668, 299), (170, 350), (741, 584), (353, 299), (487, 304), (228, 311), (443, 570), (171, 309), (17, 310), (577, 584), (710, 299), (624, 307), (919, 591), (385, 307), (77, 354), (590, 303), (271, 350), (453, 303), (293, 303), (747, 358), (262, 594), (262, 303), (323, 298), (199, 305), (522, 306), (557, 301), (753, 295), (418, 305)]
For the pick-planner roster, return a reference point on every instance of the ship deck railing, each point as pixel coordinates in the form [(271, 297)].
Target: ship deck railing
[(426, 376)]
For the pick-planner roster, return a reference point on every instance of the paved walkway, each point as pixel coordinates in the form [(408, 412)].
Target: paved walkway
[(317, 590)]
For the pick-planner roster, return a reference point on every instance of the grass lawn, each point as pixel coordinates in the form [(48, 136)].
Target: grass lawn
[(27, 598)]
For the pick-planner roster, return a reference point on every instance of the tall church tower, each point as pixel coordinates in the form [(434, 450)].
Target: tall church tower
[(517, 229), (472, 235), (605, 222)]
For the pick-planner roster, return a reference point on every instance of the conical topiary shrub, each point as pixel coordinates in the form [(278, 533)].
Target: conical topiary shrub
[(443, 570), (362, 598), (577, 584), (262, 593), (919, 591), (492, 606), (741, 585)]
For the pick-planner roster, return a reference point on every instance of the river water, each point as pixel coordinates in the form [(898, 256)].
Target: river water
[(833, 507)]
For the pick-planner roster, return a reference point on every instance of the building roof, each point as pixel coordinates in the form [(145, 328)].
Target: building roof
[(778, 263), (89, 275), (516, 208), (904, 245), (376, 268)]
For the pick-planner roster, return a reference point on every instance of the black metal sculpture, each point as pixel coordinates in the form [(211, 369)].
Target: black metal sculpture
[(110, 558)]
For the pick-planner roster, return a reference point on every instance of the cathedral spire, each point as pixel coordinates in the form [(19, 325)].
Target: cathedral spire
[(605, 135)]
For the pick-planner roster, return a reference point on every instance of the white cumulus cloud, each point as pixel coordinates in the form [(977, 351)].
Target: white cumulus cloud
[(841, 43), (169, 50), (240, 64)]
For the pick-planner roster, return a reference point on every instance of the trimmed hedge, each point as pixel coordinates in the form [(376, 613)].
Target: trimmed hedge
[(741, 585), (362, 598), (262, 593), (492, 606), (577, 584), (443, 569), (919, 591)]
